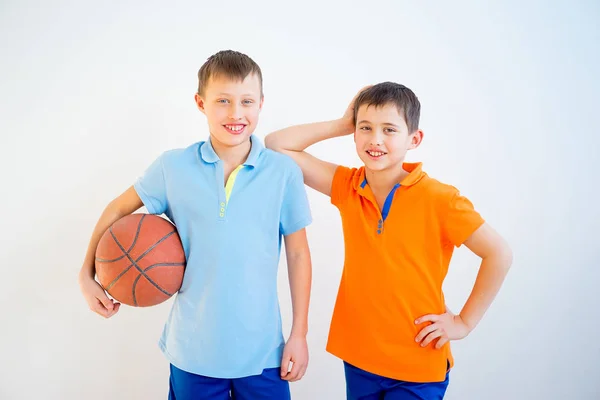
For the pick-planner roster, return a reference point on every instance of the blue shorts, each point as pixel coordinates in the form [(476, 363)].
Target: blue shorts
[(363, 385), (267, 386)]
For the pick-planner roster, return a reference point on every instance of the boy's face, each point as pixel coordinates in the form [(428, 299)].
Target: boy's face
[(231, 108), (382, 138)]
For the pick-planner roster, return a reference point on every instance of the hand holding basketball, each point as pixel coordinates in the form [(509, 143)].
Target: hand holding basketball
[(96, 298)]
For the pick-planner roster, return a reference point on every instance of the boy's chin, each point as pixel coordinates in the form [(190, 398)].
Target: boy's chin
[(229, 139), (375, 166)]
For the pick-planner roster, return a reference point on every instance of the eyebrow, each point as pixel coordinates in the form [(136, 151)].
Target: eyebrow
[(229, 94), (385, 123)]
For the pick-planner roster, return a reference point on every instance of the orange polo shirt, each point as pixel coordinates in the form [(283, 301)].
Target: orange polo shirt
[(396, 260)]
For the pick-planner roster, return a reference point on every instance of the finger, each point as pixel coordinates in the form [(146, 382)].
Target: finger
[(114, 310), (285, 364), (295, 372), (288, 376), (97, 307), (302, 372), (426, 331), (433, 335), (106, 302), (441, 342), (428, 318)]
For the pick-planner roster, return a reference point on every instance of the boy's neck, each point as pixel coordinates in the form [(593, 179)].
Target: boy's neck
[(232, 155), (384, 181)]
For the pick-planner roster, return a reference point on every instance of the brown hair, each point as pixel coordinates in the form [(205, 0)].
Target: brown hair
[(231, 64), (392, 93)]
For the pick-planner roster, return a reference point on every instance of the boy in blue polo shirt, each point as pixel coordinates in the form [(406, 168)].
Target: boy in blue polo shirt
[(232, 201)]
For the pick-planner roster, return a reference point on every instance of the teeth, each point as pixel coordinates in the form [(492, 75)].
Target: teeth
[(375, 153), (235, 128)]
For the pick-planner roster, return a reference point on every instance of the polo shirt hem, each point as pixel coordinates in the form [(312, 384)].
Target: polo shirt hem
[(415, 376), (212, 374)]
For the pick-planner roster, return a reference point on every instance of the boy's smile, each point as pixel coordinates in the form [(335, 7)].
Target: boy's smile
[(235, 129)]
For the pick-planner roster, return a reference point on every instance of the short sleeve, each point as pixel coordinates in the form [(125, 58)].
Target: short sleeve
[(295, 210), (460, 219), (341, 185), (151, 187)]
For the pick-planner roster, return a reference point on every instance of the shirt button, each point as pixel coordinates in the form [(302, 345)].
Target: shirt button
[(222, 209), (221, 215), (222, 204), (378, 231)]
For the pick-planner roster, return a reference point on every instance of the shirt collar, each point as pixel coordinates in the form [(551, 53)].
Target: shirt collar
[(208, 154), (415, 174)]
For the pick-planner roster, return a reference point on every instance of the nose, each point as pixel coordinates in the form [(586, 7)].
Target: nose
[(376, 138), (235, 112)]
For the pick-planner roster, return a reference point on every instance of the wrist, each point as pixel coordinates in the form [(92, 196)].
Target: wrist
[(344, 126), (299, 331), (465, 321)]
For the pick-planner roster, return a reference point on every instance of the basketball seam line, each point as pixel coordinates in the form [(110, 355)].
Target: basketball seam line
[(134, 262), (137, 233), (110, 285), (151, 267)]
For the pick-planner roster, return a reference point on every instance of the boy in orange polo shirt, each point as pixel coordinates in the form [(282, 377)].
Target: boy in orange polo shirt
[(390, 324)]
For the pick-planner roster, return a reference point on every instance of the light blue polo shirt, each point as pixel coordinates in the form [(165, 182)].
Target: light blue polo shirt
[(225, 321)]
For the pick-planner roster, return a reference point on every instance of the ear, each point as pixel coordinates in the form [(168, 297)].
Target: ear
[(199, 103), (415, 139), (262, 100)]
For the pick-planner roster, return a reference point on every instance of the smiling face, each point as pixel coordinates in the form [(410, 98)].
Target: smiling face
[(382, 136), (232, 107)]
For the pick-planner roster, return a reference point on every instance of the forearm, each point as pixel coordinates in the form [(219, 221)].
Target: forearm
[(110, 215), (491, 274), (300, 137), (300, 276)]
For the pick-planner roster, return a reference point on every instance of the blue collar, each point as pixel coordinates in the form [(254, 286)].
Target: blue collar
[(208, 154)]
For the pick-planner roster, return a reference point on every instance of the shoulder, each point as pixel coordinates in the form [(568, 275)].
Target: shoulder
[(348, 177), (280, 164), (176, 156), (438, 190)]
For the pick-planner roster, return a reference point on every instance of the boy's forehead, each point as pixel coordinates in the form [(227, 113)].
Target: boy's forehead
[(222, 84), (380, 114)]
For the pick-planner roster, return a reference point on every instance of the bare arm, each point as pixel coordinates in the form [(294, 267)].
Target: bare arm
[(318, 174), (300, 276), (496, 259), (98, 301)]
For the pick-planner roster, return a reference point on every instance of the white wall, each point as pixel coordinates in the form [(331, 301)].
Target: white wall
[(92, 92)]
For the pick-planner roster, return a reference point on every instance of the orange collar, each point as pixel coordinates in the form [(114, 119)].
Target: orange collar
[(415, 171)]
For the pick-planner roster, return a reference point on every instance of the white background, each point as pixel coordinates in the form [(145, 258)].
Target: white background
[(92, 92)]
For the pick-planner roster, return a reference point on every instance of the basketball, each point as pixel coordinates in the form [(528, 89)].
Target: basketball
[(140, 260)]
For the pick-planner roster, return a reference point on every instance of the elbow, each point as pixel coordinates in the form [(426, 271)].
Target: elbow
[(499, 257), (299, 258), (505, 256), (114, 211), (508, 257), (271, 142)]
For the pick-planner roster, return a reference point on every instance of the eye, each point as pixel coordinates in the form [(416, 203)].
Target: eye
[(365, 128), (223, 101), (248, 102), (389, 130)]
